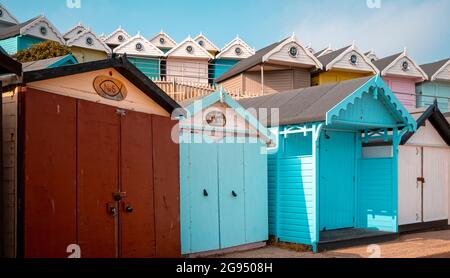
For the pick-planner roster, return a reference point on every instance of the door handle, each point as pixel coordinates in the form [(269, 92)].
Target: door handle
[(205, 193), (129, 208), (234, 194)]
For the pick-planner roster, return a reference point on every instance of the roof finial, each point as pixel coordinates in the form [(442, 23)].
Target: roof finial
[(293, 34), (353, 44), (139, 33), (237, 36), (405, 50)]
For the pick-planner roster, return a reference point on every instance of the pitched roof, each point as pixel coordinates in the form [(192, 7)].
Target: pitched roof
[(122, 65), (432, 69), (387, 63), (74, 31), (9, 65), (23, 28), (208, 45), (199, 51), (437, 119), (324, 51), (307, 104), (261, 56), (330, 57), (148, 49), (81, 40), (48, 63), (168, 41), (7, 16), (113, 38), (247, 51), (383, 63)]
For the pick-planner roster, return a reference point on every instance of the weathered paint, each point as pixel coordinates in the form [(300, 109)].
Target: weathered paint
[(427, 92), (334, 76)]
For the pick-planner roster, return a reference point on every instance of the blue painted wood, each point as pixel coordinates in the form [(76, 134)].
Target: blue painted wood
[(427, 92), (231, 205), (221, 66), (10, 45), (337, 184), (150, 67), (256, 193), (25, 42), (66, 61)]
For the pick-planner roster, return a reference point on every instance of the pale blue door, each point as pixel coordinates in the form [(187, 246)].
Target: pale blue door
[(203, 198), (337, 180), (231, 195)]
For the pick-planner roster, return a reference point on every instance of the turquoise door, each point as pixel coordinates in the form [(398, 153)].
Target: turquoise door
[(337, 180), (231, 195), (199, 198)]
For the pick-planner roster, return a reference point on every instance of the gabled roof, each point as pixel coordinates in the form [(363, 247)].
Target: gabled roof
[(322, 103), (8, 65), (49, 63), (195, 106), (371, 55), (329, 60), (74, 31), (6, 16), (324, 51), (437, 119), (266, 54), (32, 28), (434, 69), (229, 50), (207, 44), (197, 51), (168, 41), (148, 49), (122, 65), (392, 65), (87, 39), (113, 38)]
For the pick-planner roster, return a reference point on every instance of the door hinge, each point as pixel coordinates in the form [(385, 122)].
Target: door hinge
[(121, 112)]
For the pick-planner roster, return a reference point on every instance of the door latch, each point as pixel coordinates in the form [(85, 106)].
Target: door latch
[(234, 194), (119, 196), (128, 208), (421, 179), (111, 209), (205, 193)]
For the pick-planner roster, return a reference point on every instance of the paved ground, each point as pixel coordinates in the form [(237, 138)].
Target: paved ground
[(429, 245)]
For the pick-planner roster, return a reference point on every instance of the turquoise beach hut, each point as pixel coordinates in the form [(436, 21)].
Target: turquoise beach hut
[(333, 174), (224, 199)]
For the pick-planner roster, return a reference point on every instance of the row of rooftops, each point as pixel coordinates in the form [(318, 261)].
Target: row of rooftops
[(162, 45)]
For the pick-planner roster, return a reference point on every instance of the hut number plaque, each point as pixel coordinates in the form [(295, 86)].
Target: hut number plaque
[(216, 119), (110, 88)]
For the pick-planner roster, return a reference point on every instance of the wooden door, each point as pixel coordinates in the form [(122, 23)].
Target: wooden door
[(436, 171), (337, 180), (98, 172), (231, 195), (166, 173), (136, 216), (203, 197), (409, 187), (49, 174)]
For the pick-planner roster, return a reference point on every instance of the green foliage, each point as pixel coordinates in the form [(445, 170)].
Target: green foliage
[(43, 50)]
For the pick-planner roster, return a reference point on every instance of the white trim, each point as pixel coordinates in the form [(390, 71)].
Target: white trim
[(325, 51), (292, 39), (162, 33), (102, 46), (14, 19), (372, 53), (348, 50), (40, 19), (434, 77), (190, 40), (203, 37), (118, 30), (145, 52), (403, 55), (236, 41), (79, 25)]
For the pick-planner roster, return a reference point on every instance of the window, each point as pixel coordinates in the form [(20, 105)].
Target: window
[(162, 41), (293, 52), (1, 13), (121, 38), (43, 31), (189, 49), (377, 151), (201, 43), (139, 46), (238, 51), (89, 41), (216, 119), (405, 66), (353, 59)]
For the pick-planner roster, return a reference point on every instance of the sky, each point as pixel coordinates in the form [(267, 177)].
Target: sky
[(386, 26)]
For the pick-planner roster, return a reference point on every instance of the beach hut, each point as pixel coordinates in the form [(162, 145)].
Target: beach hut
[(143, 54), (7, 19), (22, 36), (74, 31), (371, 55), (204, 42), (93, 162), (437, 87), (424, 173), (324, 51), (188, 62), (330, 184), (116, 38), (281, 66), (163, 41), (230, 55), (343, 64), (61, 61), (87, 47), (401, 74), (223, 177)]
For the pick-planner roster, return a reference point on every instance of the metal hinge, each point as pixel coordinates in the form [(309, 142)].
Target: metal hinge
[(121, 112)]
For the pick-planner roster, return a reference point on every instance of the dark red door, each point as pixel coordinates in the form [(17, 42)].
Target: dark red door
[(98, 172), (166, 171), (137, 221), (49, 174)]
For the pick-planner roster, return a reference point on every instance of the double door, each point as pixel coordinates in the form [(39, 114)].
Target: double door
[(91, 179), (423, 184)]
